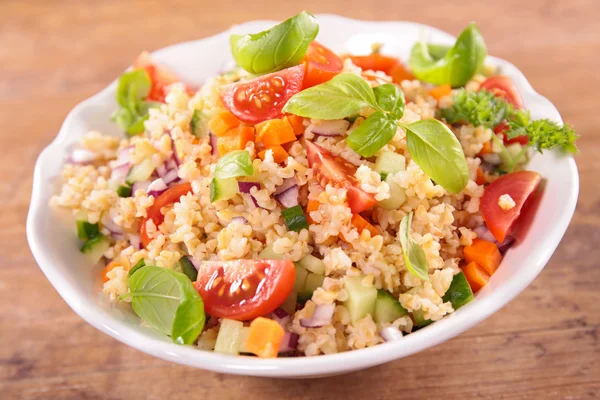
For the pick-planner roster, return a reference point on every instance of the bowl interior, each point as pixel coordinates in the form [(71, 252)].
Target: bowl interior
[(53, 240)]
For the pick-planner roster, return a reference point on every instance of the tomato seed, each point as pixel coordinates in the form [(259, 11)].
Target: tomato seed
[(277, 81), (241, 95), (245, 285), (257, 102), (266, 98)]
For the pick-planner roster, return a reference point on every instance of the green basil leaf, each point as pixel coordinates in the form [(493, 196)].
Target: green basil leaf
[(435, 149), (168, 302), (132, 87), (414, 256), (455, 66), (234, 164), (370, 136), (342, 96), (123, 117), (282, 46), (137, 125), (390, 99)]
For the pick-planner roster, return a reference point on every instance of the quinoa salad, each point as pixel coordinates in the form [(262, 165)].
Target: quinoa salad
[(306, 202)]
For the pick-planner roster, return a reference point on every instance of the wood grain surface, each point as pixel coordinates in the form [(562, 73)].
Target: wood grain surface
[(53, 54)]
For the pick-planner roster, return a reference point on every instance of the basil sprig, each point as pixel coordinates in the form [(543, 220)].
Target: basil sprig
[(454, 65), (280, 47), (168, 302), (431, 144), (233, 164), (414, 256), (132, 88)]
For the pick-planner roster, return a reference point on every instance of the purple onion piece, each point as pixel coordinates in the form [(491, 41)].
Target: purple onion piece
[(161, 170), (124, 156), (143, 185), (288, 183), (157, 185), (492, 158), (240, 220), (245, 187), (120, 172), (507, 244), (289, 198), (213, 144), (175, 156), (322, 316), (109, 224), (135, 241), (484, 233), (280, 313), (289, 342), (170, 176), (390, 333), (330, 128)]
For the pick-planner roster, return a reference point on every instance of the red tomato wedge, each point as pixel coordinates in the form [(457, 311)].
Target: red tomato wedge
[(263, 98), (168, 197), (519, 186), (503, 86), (161, 77), (244, 289), (322, 64), (329, 169)]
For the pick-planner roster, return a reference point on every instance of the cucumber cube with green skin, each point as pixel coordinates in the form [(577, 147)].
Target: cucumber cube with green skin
[(300, 282), (312, 264), (313, 282), (269, 254), (459, 293), (188, 268), (387, 308), (289, 304), (95, 248), (397, 196), (419, 317), (229, 339), (138, 265), (140, 172), (124, 191), (361, 298), (389, 162), (223, 189), (86, 231), (294, 218)]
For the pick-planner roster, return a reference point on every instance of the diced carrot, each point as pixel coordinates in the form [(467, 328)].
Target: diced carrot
[(480, 179), (221, 123), (264, 337), (279, 153), (476, 276), (400, 73), (297, 123), (274, 132), (235, 139), (485, 254), (109, 267), (313, 205), (361, 224), (440, 91), (486, 149)]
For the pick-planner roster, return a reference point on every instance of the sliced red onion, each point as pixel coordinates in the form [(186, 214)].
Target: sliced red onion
[(170, 176), (507, 244), (245, 187), (390, 333), (143, 185), (484, 233), (135, 241), (289, 342), (330, 128), (240, 220), (175, 156), (120, 172), (161, 170), (109, 224), (281, 317), (322, 316), (157, 187), (289, 198), (288, 183), (124, 156), (492, 158), (83, 156), (213, 144)]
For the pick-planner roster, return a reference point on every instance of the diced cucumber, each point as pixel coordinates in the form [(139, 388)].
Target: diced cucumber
[(300, 281), (188, 268), (243, 336), (294, 218), (86, 231), (397, 196), (94, 248), (138, 265), (419, 317), (229, 339), (197, 125), (514, 149), (313, 281), (124, 191), (459, 293), (269, 254), (223, 189), (387, 308), (289, 304), (312, 264), (390, 162), (140, 172), (361, 298)]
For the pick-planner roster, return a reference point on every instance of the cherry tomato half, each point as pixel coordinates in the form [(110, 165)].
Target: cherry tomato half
[(322, 64), (168, 197), (503, 86), (263, 98), (329, 169), (244, 289), (161, 77), (519, 186)]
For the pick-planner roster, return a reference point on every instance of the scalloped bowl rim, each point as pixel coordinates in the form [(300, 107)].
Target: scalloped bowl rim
[(322, 365)]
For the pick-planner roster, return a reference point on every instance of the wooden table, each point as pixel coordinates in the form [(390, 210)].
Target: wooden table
[(543, 345)]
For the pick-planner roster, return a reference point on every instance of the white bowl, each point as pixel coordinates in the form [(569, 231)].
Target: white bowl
[(54, 246)]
